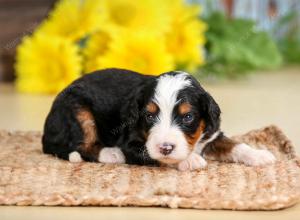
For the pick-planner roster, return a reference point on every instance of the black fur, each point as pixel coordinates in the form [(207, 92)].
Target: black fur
[(117, 100)]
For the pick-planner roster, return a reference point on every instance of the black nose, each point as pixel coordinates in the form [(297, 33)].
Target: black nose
[(166, 148)]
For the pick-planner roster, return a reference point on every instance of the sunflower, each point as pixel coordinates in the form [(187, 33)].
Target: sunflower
[(186, 37), (46, 64), (97, 45), (145, 15), (145, 36), (139, 51), (74, 19)]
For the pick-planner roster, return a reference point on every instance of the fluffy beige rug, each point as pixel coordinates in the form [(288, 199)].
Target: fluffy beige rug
[(28, 177)]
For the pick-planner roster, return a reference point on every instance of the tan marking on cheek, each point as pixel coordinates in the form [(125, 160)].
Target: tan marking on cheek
[(192, 139), (184, 108), (152, 107), (145, 134), (87, 123)]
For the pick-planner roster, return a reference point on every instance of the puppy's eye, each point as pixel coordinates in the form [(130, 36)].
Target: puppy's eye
[(188, 118), (150, 117)]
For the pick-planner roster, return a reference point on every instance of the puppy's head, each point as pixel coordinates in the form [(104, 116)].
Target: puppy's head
[(176, 116)]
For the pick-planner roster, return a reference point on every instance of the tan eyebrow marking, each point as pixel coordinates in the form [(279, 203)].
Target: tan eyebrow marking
[(184, 108), (152, 107)]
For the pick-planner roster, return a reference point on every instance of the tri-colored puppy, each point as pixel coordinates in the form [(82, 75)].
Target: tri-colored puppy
[(120, 116)]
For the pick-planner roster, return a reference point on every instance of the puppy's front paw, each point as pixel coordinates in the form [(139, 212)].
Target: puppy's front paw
[(253, 157), (193, 162), (111, 155)]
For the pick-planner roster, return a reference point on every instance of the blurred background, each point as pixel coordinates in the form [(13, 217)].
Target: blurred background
[(246, 53)]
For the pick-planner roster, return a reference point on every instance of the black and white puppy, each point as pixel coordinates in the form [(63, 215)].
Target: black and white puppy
[(120, 116)]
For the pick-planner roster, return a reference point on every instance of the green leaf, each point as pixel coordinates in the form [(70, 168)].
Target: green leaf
[(234, 47)]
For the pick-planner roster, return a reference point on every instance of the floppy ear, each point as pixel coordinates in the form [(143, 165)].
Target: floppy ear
[(212, 113)]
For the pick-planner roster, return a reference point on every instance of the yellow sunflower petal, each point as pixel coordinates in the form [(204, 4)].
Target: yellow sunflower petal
[(46, 64), (140, 52), (186, 38), (145, 15), (74, 19), (97, 45)]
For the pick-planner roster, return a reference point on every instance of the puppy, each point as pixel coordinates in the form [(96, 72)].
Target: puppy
[(120, 116)]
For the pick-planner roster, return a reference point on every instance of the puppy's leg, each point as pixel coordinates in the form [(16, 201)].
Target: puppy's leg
[(193, 162), (225, 149), (111, 155), (88, 147), (63, 133)]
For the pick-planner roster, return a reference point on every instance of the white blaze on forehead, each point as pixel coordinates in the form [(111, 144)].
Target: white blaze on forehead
[(166, 92)]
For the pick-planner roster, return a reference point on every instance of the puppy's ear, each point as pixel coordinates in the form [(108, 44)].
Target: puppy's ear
[(212, 112)]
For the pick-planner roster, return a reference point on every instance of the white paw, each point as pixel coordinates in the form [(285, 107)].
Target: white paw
[(111, 155), (193, 162), (260, 157), (253, 157), (75, 157)]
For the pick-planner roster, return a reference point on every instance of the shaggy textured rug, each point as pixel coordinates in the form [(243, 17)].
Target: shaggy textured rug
[(28, 177)]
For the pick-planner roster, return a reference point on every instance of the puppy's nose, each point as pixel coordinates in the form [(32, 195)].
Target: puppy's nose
[(166, 148)]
